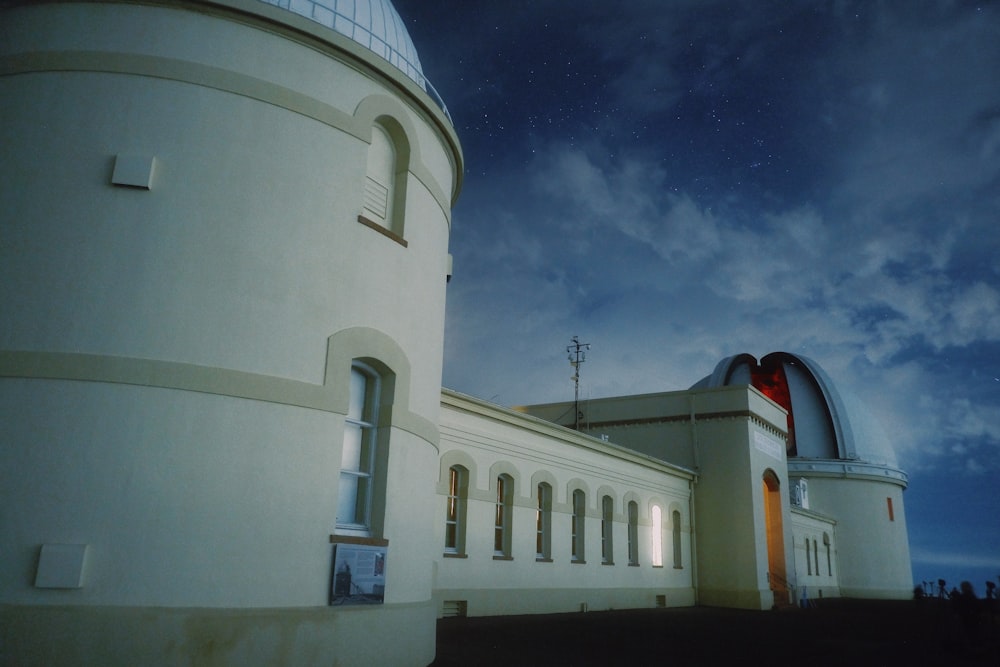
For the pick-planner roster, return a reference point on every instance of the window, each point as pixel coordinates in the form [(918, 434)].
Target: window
[(384, 192), (657, 541), (633, 533), (888, 503), (454, 523), (809, 566), (607, 530), (380, 178), (357, 459), (816, 557), (579, 514), (675, 519), (543, 523), (501, 528), (829, 562)]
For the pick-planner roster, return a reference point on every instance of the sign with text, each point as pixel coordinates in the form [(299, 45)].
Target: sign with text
[(358, 575)]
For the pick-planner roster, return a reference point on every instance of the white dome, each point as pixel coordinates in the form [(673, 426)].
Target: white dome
[(374, 24)]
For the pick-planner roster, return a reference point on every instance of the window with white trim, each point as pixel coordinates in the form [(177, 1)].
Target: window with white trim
[(657, 535), (543, 523), (454, 525), (675, 519), (633, 533), (358, 456), (502, 523), (607, 530), (578, 524)]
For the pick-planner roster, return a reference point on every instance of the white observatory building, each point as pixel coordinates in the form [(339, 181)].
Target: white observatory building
[(223, 436), (222, 286)]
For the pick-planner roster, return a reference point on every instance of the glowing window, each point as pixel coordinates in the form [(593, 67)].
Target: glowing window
[(657, 541), (357, 459)]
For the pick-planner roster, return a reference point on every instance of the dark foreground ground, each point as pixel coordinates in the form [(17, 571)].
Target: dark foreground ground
[(846, 633)]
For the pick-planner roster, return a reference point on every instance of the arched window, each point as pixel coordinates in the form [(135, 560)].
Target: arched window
[(543, 523), (657, 535), (384, 197), (502, 523), (633, 533), (607, 530), (579, 515), (829, 562), (358, 456), (675, 520), (380, 178), (454, 525)]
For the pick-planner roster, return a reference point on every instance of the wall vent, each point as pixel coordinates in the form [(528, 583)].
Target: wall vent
[(455, 609), (661, 601)]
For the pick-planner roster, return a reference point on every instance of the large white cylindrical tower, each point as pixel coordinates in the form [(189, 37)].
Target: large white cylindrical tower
[(223, 260)]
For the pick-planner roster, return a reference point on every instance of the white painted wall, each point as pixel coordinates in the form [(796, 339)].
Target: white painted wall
[(487, 439), (243, 265)]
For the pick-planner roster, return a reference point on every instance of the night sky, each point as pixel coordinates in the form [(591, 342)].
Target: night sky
[(677, 182)]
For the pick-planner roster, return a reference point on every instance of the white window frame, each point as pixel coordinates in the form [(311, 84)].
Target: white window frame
[(454, 534), (362, 475)]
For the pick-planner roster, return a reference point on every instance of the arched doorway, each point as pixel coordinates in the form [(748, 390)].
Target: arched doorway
[(775, 537)]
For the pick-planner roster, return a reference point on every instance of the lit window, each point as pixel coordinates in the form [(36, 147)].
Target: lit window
[(501, 528), (357, 459), (675, 519), (543, 523), (579, 514), (633, 533), (607, 530), (657, 541), (454, 525)]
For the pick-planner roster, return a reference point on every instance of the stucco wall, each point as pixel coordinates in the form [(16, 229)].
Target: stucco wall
[(174, 357), (487, 440)]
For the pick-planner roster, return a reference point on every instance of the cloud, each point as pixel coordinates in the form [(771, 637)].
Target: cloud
[(953, 559)]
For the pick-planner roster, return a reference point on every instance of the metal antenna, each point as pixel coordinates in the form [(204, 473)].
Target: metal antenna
[(577, 355)]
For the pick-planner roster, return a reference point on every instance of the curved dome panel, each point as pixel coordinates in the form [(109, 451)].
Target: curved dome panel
[(823, 423), (872, 444), (374, 24)]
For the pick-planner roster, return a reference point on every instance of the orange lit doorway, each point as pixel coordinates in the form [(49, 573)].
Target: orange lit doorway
[(775, 538)]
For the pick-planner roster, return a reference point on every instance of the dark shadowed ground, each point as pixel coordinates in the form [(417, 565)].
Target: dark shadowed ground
[(845, 633)]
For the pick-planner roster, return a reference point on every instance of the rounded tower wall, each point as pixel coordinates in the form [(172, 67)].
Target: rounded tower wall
[(189, 269)]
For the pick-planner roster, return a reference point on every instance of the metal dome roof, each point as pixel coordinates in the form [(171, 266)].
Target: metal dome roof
[(824, 422), (374, 24)]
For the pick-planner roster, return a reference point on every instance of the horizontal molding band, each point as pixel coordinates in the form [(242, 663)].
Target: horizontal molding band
[(36, 365), (207, 76)]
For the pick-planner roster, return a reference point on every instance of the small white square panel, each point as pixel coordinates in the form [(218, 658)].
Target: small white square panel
[(60, 566), (133, 170)]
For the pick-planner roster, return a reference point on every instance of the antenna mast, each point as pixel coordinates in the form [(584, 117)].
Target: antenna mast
[(577, 355)]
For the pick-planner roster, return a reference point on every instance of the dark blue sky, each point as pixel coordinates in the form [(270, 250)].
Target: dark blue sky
[(676, 182)]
